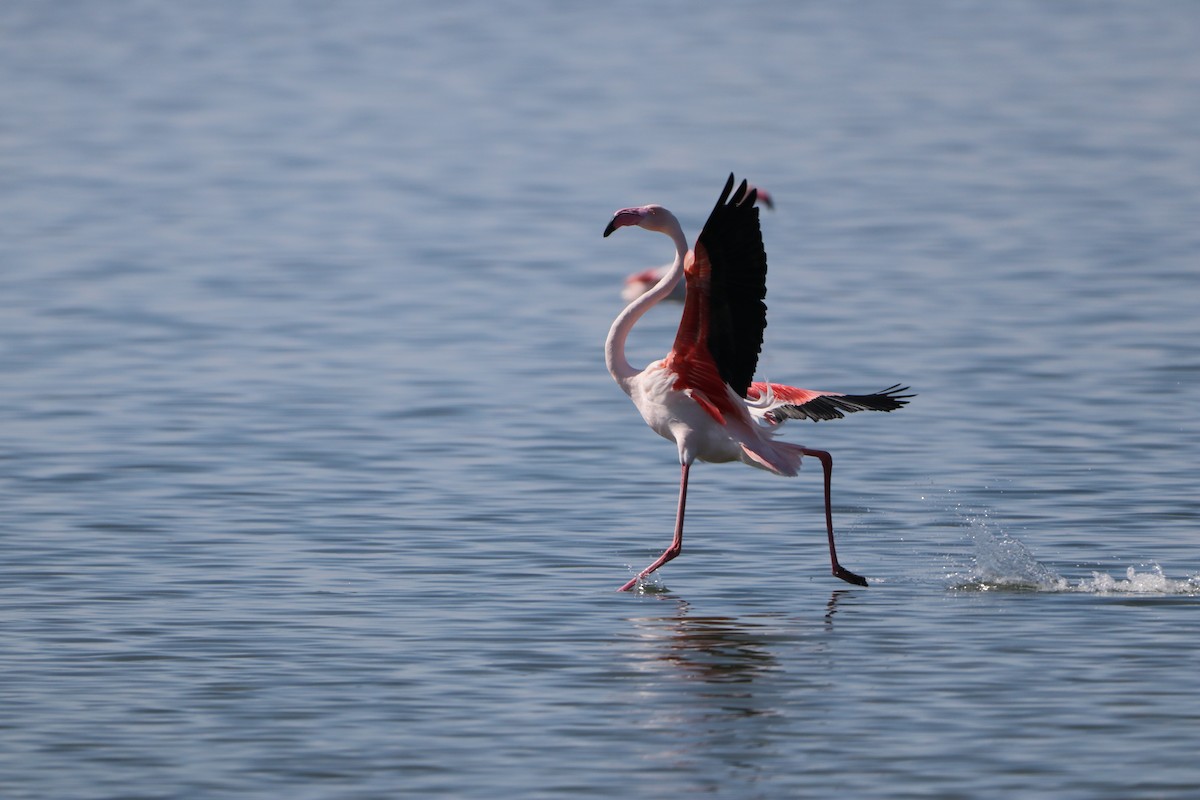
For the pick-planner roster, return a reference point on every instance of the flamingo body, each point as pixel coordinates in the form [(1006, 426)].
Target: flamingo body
[(702, 395), (702, 429)]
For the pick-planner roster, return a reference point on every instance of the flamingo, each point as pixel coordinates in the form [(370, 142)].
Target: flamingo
[(702, 395), (638, 283)]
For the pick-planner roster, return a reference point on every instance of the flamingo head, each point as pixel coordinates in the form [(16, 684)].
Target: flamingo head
[(651, 217)]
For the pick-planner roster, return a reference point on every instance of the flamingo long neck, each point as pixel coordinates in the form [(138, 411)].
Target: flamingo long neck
[(614, 348)]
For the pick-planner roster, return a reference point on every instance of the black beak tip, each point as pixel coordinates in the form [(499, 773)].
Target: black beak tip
[(611, 227)]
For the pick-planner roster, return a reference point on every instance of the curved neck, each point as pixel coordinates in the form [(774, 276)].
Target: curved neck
[(614, 347)]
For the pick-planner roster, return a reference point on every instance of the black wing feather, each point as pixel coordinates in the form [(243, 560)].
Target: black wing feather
[(836, 406), (737, 314)]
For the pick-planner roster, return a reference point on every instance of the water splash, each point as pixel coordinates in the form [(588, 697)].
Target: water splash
[(1153, 581), (1001, 562)]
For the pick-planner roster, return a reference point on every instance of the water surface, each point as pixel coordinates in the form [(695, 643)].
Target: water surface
[(314, 484)]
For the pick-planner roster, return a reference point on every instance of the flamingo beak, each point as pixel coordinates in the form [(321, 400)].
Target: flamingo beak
[(626, 216)]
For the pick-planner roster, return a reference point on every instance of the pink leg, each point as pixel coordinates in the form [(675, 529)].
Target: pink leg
[(838, 570), (676, 543)]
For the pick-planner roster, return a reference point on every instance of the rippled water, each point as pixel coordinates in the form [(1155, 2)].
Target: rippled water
[(313, 483)]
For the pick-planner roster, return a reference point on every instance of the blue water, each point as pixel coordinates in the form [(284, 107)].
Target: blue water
[(313, 483)]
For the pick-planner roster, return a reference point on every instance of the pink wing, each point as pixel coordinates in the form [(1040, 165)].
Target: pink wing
[(690, 359), (790, 402)]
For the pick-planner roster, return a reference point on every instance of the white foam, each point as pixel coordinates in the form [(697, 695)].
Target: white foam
[(1152, 581)]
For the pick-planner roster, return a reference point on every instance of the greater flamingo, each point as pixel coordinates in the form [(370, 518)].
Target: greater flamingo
[(638, 283), (702, 395)]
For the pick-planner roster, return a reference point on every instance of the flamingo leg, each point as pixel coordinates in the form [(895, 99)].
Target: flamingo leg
[(838, 570), (676, 542)]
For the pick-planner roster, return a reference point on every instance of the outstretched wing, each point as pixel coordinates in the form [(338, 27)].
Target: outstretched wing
[(788, 402), (724, 313)]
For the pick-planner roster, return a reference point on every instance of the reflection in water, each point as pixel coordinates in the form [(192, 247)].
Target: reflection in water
[(716, 692), (712, 649), (831, 607)]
